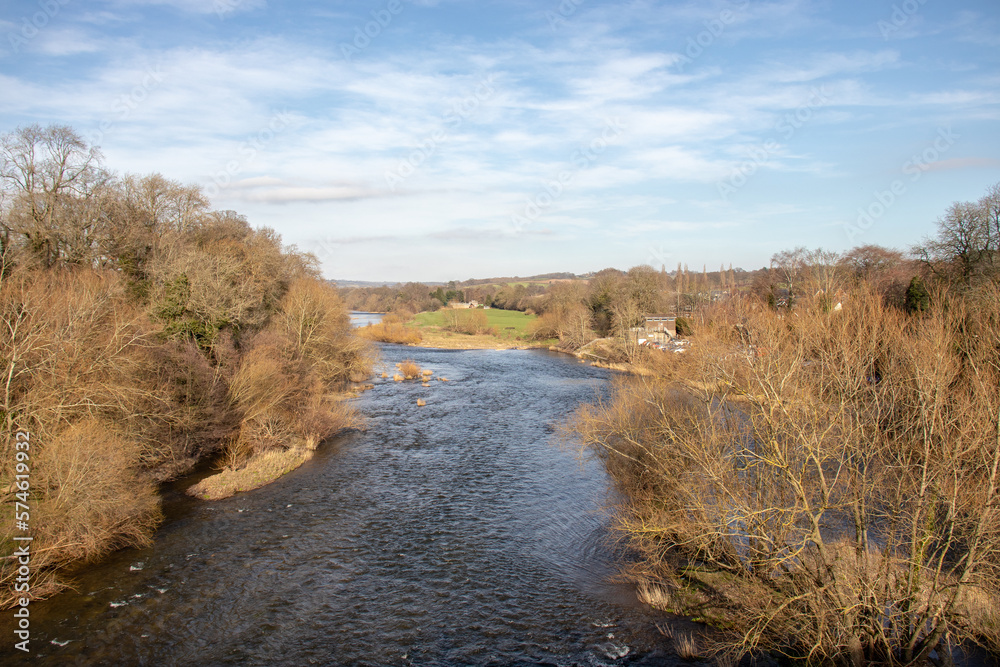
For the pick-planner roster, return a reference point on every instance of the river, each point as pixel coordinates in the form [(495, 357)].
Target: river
[(458, 533)]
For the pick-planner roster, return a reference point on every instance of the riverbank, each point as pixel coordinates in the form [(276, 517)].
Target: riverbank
[(436, 338), (269, 465), (458, 329), (380, 539), (477, 329)]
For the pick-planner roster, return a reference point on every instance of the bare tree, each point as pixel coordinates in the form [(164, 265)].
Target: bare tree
[(966, 249), (822, 274), (831, 493), (53, 177), (788, 264)]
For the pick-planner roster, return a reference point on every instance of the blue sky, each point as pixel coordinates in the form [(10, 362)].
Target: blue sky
[(449, 139)]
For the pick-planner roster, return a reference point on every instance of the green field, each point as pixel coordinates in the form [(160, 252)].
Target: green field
[(509, 323)]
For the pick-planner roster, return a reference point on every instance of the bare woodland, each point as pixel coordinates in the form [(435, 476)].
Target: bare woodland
[(141, 331), (822, 480), (818, 477)]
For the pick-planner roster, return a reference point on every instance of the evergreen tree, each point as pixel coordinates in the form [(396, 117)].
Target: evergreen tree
[(917, 299)]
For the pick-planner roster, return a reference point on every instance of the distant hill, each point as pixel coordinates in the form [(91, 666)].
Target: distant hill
[(542, 278), (370, 283), (471, 282), (360, 283)]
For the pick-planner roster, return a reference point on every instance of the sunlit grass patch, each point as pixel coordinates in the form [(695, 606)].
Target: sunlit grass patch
[(261, 469)]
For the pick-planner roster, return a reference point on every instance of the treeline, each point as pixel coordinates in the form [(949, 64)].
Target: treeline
[(820, 478), (544, 277), (611, 301), (403, 300), (141, 332)]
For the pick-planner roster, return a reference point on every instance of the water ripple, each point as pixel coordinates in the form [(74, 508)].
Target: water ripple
[(456, 533)]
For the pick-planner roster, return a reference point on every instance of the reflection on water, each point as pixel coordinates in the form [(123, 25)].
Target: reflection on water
[(359, 319), (456, 533)]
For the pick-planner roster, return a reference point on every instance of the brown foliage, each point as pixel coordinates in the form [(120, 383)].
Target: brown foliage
[(410, 369), (140, 331), (545, 327), (313, 318), (280, 391), (95, 500), (391, 330), (88, 498), (470, 321), (828, 481)]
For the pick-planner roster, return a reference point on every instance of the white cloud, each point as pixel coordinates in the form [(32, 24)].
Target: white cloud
[(218, 7), (66, 42), (209, 113)]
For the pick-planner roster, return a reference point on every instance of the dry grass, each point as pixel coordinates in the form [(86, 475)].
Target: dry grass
[(410, 369), (654, 595), (822, 491), (389, 331), (396, 377), (726, 660), (260, 469), (427, 372), (687, 646), (446, 340), (684, 643), (421, 402)]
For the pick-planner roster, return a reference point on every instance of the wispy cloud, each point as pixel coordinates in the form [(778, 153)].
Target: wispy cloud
[(222, 79)]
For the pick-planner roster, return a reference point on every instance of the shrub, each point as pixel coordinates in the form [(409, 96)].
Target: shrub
[(313, 318), (839, 496), (391, 332), (545, 327), (684, 327), (410, 369), (89, 498), (468, 321)]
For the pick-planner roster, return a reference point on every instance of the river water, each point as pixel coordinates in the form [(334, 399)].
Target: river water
[(360, 319), (458, 533)]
